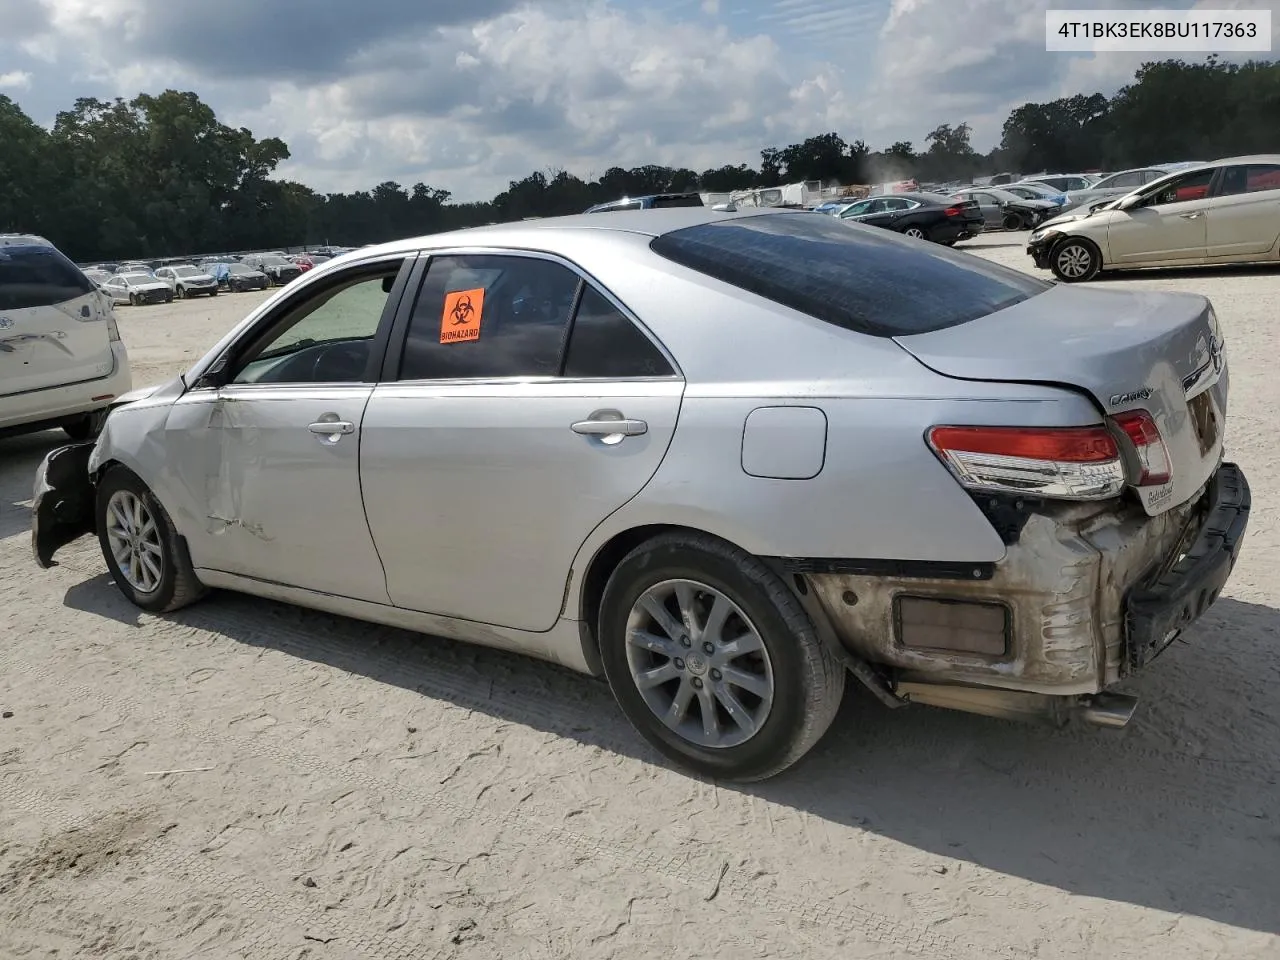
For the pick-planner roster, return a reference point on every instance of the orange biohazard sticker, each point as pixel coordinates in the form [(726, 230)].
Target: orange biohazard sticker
[(463, 310)]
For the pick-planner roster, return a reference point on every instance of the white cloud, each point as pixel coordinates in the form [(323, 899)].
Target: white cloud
[(15, 80), (940, 64), (711, 7)]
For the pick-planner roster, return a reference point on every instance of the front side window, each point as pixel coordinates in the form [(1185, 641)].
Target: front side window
[(324, 337), (38, 276), (489, 316), (1191, 186)]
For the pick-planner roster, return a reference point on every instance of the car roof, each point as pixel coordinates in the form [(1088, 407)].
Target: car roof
[(535, 234), (23, 240)]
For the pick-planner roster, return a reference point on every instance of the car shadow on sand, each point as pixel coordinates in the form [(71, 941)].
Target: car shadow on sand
[(19, 457), (1177, 812)]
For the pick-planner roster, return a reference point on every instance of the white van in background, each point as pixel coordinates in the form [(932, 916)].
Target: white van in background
[(62, 362)]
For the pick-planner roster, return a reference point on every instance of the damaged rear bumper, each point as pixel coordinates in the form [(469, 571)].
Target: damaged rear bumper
[(1086, 595), (63, 507)]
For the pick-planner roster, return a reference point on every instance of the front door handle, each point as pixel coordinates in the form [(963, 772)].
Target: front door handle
[(610, 428), (1191, 216), (332, 430)]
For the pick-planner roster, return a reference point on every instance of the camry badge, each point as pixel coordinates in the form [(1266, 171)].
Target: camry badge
[(1121, 398)]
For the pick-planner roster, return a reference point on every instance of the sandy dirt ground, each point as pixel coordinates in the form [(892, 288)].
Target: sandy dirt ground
[(340, 790)]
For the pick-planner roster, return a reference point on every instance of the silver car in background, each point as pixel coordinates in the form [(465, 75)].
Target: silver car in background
[(723, 460)]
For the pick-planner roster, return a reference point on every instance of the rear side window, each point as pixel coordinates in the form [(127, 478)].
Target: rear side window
[(1251, 178), (857, 277), (605, 343), (37, 276), (488, 316)]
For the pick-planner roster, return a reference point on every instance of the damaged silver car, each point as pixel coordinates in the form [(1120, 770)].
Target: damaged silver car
[(724, 460)]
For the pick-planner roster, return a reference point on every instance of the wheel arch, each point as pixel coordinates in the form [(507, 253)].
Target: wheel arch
[(585, 606), (1082, 238)]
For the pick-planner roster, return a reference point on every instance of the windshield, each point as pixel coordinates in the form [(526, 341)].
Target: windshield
[(38, 276), (133, 279), (853, 276), (186, 272), (272, 261), (239, 268)]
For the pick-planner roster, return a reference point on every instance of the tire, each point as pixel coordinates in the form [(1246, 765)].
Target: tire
[(213, 293), (182, 292), (917, 233), (949, 243), (177, 585), (133, 299), (87, 427), (1075, 260), (805, 682), (1013, 221)]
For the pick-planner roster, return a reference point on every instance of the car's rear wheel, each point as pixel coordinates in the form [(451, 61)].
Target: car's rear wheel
[(1075, 260), (86, 427), (144, 553), (713, 659), (916, 233)]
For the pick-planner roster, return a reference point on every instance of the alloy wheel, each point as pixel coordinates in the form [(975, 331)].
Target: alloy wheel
[(914, 232), (1075, 260), (134, 539), (699, 663)]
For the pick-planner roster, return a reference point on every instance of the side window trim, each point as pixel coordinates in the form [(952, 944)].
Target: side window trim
[(398, 332), (265, 325)]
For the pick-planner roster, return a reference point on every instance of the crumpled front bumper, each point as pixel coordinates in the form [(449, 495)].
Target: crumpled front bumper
[(1091, 592), (1039, 253), (63, 508)]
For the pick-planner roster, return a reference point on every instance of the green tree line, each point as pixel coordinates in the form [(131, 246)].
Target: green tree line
[(160, 174)]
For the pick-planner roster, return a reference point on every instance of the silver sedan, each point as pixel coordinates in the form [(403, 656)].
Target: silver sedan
[(724, 460)]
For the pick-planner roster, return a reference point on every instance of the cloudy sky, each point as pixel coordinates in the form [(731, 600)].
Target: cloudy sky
[(469, 94)]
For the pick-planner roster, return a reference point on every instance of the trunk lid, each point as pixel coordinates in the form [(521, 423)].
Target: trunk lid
[(54, 326), (1160, 352)]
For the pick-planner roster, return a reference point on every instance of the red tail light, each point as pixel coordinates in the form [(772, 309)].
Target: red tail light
[(1067, 463), (1153, 455), (954, 211)]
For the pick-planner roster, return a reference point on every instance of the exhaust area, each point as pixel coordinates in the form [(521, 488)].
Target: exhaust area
[(1110, 710), (1113, 710)]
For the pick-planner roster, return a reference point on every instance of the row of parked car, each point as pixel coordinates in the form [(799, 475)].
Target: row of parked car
[(138, 283), (1178, 214)]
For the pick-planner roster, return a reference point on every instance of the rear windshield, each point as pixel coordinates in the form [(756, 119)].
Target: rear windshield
[(857, 277), (37, 276)]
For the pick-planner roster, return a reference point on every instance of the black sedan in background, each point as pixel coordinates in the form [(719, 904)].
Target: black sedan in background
[(921, 215)]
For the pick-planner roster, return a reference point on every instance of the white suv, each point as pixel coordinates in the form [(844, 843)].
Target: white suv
[(62, 362)]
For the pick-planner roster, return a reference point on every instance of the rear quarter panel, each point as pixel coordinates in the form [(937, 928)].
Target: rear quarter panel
[(881, 493)]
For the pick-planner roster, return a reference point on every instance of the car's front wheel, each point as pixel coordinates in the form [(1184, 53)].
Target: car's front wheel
[(1014, 221), (1075, 260), (144, 553), (713, 659)]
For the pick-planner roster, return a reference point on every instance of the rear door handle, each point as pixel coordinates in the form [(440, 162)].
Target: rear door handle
[(610, 428)]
